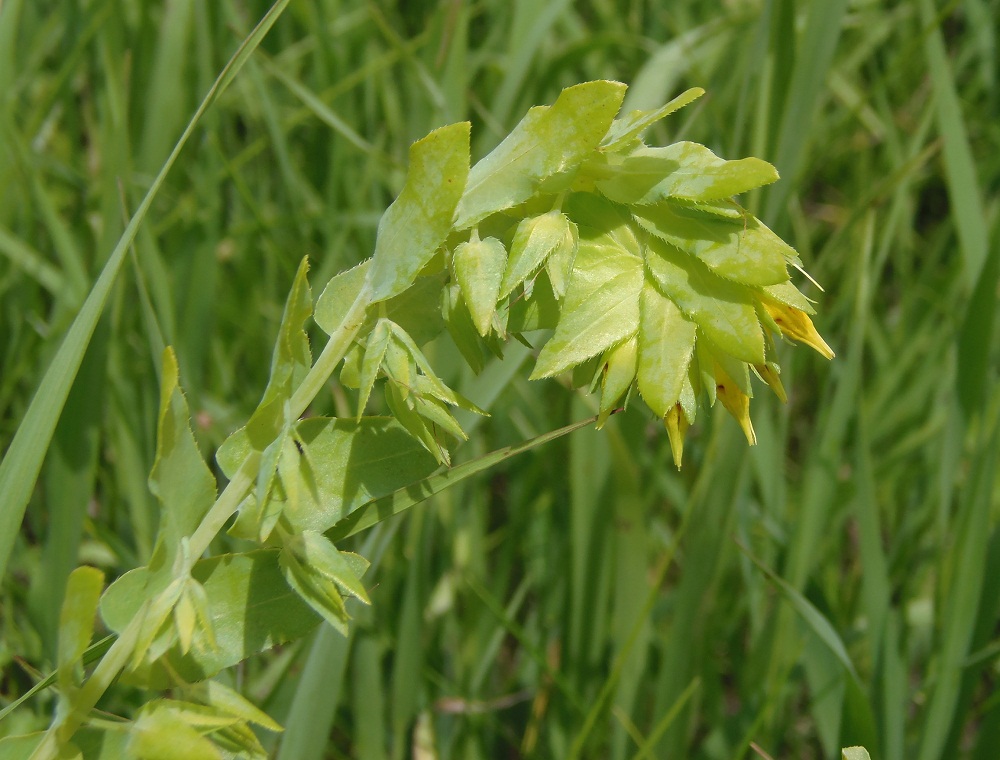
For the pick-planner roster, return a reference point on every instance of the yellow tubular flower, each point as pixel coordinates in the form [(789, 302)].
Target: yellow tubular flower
[(770, 376), (796, 325), (737, 403), (677, 425)]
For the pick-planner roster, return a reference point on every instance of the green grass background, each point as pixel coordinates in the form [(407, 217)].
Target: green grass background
[(837, 584)]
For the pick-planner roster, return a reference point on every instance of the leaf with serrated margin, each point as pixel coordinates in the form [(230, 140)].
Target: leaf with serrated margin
[(479, 266), (682, 170), (723, 309), (744, 251), (419, 220), (601, 306), (618, 373), (666, 344), (547, 141), (321, 575), (290, 362), (345, 569), (631, 126), (789, 295), (375, 348), (180, 479), (535, 240)]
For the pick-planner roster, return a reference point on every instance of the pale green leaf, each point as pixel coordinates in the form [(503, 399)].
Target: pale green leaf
[(417, 309), (231, 702), (727, 209), (316, 590), (180, 479), (723, 309), (267, 478), (690, 390), (479, 267), (596, 216), (435, 412), (293, 475), (290, 361), (666, 345), (350, 370), (399, 366), (160, 734), (745, 251), (855, 753), (427, 386), (682, 170), (375, 348), (547, 141), (620, 366), (318, 554), (204, 718), (601, 307), (76, 620), (428, 383), (559, 263), (350, 462), (631, 126), (192, 613), (534, 241), (239, 741), (789, 295), (338, 295), (156, 635), (418, 221), (252, 609), (403, 409)]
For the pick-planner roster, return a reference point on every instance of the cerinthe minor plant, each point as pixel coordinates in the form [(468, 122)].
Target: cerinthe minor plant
[(636, 260)]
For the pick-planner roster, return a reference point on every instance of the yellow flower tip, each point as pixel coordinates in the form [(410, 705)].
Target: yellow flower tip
[(773, 379), (747, 426), (677, 425), (795, 324), (737, 403)]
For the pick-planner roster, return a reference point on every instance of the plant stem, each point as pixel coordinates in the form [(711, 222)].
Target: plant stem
[(61, 732), (225, 505), (336, 348)]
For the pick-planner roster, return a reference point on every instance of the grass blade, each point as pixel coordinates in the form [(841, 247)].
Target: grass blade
[(20, 466)]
